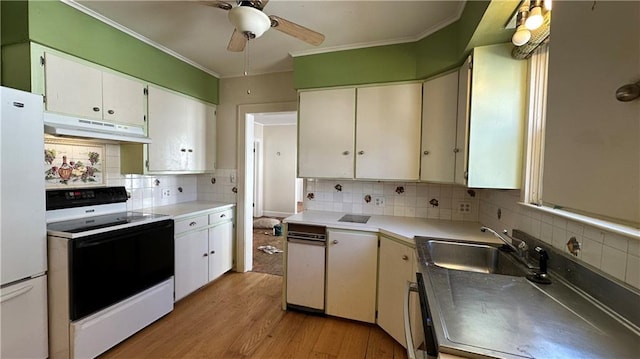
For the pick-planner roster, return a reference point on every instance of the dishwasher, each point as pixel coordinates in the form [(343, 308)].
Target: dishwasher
[(306, 251)]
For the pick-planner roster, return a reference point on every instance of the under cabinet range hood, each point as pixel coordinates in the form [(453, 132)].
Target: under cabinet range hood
[(68, 126)]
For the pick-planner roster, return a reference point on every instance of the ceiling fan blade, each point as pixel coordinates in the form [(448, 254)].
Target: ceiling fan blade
[(238, 42), (297, 31), (219, 4)]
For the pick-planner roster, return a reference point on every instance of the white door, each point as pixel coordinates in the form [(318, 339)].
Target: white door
[(462, 126), (388, 132), (22, 228), (72, 88), (326, 125), (168, 130), (24, 319), (352, 264), (439, 111), (305, 275), (123, 100), (191, 260), (257, 179), (220, 249)]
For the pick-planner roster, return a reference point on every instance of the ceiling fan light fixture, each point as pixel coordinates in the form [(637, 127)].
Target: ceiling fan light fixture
[(247, 19)]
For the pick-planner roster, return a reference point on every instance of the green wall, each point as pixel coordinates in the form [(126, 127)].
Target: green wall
[(61, 27), (481, 23)]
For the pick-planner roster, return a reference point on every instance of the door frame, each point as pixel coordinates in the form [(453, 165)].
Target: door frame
[(244, 234)]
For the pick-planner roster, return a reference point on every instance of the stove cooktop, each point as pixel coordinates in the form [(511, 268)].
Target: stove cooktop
[(103, 221)]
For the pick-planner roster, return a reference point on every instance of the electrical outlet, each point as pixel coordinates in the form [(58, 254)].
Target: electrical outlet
[(166, 193), (464, 207), (378, 201)]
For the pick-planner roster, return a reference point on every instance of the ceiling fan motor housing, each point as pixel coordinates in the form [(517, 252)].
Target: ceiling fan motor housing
[(249, 20)]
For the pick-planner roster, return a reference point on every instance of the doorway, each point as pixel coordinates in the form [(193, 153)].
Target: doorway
[(246, 124)]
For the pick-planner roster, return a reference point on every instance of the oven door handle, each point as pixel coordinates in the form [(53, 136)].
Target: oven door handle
[(409, 287)]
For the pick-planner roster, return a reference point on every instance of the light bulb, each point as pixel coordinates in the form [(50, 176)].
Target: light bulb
[(535, 19), (521, 36)]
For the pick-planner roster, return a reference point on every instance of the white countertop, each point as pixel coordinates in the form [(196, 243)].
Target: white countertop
[(178, 210), (403, 228)]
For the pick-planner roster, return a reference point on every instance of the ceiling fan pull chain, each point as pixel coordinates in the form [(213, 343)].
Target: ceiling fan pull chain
[(246, 66)]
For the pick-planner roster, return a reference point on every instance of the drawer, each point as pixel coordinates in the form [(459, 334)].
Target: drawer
[(218, 217), (190, 223)]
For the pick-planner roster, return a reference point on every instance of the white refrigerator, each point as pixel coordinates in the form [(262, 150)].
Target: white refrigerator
[(23, 252)]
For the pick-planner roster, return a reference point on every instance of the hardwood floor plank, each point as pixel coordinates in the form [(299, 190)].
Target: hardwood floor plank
[(240, 316)]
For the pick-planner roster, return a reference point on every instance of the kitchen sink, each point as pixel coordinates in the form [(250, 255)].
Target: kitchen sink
[(473, 257), (354, 218)]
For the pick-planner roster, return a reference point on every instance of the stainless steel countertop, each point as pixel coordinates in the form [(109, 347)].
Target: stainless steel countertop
[(479, 315)]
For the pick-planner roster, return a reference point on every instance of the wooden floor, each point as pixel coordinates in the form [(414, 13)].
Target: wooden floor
[(265, 262), (240, 316)]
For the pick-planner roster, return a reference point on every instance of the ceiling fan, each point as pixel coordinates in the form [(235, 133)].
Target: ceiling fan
[(251, 22)]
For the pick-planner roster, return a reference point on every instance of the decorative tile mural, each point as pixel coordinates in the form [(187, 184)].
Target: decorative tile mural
[(73, 165)]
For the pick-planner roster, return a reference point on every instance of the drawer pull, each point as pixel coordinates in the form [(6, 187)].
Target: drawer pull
[(96, 109), (111, 112), (192, 224), (213, 252), (205, 255)]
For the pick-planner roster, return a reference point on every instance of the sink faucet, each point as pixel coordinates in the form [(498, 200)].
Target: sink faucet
[(522, 250)]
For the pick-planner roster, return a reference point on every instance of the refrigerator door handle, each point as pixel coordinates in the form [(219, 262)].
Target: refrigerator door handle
[(15, 293)]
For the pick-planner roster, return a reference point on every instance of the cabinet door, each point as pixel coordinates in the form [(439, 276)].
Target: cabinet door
[(191, 261), (326, 125), (462, 126), (72, 88), (123, 100), (220, 249), (396, 267), (439, 111), (496, 118), (388, 132), (352, 261), (210, 147), (167, 129), (196, 127)]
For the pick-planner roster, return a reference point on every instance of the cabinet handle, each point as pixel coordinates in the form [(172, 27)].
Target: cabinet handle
[(192, 224), (455, 150), (223, 215), (183, 150), (205, 255), (405, 257), (190, 150), (346, 153), (213, 252), (111, 112), (426, 152), (335, 241), (361, 153), (96, 109)]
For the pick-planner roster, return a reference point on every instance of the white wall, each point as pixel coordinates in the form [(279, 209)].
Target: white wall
[(616, 255), (280, 145)]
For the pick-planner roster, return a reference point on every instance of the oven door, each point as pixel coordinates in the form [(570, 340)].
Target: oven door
[(108, 267), (429, 347)]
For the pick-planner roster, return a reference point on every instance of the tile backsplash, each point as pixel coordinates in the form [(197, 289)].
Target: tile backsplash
[(613, 254), (406, 199), (147, 191)]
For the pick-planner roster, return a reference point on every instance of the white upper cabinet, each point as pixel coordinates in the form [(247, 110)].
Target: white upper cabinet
[(76, 89), (381, 142), (123, 100), (326, 133), (439, 117), (72, 88), (491, 119), (388, 132), (183, 133)]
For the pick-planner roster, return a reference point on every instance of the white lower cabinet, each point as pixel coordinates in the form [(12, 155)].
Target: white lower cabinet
[(203, 250), (352, 263), (397, 265)]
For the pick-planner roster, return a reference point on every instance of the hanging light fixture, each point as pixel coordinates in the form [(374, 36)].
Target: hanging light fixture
[(249, 21), (522, 34), (534, 18)]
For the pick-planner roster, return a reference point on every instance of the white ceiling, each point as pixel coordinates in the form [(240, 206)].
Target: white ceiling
[(199, 34)]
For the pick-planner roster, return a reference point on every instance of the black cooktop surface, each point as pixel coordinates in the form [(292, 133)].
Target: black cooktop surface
[(103, 221)]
